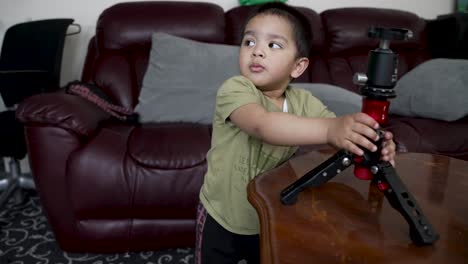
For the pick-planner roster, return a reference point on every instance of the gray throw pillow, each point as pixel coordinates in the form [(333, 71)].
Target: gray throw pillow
[(182, 79), (436, 89), (337, 99)]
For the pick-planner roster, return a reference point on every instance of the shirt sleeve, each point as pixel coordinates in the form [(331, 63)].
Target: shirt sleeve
[(234, 93)]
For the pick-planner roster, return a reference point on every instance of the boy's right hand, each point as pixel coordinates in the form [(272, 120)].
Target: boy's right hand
[(354, 130)]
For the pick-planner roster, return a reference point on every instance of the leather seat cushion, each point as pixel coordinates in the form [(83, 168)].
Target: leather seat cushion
[(170, 145)]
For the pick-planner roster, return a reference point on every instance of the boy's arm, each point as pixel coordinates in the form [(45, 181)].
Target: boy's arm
[(279, 128)]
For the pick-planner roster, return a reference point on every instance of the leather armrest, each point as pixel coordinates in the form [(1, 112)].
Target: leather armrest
[(63, 110)]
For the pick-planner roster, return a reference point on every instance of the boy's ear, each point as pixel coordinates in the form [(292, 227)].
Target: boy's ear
[(301, 65)]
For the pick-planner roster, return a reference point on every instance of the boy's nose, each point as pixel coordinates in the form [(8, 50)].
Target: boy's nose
[(258, 52)]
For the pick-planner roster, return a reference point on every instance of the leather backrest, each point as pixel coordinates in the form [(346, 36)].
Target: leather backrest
[(118, 54)]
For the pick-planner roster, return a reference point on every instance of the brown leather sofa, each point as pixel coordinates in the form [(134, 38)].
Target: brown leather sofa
[(107, 186)]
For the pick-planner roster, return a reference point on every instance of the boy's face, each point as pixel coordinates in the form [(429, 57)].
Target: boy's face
[(268, 53)]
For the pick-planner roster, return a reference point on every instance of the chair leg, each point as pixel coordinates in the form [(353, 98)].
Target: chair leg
[(6, 193), (26, 183), (13, 183), (4, 183)]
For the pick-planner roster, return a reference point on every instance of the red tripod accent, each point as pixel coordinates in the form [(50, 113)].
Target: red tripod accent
[(377, 109)]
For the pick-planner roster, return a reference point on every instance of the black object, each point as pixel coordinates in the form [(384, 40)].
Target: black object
[(30, 63), (31, 58), (377, 87), (382, 64), (448, 36)]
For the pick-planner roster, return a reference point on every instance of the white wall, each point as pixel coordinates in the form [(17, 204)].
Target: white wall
[(86, 12)]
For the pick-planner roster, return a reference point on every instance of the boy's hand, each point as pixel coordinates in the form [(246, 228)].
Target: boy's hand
[(388, 148), (351, 131)]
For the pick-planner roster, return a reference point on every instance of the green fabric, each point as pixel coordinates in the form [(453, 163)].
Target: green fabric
[(256, 2), (235, 158)]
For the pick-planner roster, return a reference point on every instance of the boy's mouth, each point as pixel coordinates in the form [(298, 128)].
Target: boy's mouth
[(256, 67)]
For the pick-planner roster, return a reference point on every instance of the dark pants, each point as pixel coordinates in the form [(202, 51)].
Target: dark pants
[(216, 245)]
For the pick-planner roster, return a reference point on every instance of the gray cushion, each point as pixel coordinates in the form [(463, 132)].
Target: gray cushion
[(337, 99), (435, 89), (182, 79)]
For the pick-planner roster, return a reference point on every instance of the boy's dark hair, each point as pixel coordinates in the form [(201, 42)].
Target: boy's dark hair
[(300, 25)]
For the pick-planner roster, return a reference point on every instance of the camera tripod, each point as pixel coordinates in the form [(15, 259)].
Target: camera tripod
[(376, 88)]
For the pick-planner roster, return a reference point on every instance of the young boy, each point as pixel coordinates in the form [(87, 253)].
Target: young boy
[(259, 122)]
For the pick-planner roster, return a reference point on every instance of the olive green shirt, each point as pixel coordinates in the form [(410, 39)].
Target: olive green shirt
[(235, 158)]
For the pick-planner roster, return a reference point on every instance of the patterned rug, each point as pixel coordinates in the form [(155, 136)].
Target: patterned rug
[(25, 237)]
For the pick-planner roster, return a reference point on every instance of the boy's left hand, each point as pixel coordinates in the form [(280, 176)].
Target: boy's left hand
[(388, 148)]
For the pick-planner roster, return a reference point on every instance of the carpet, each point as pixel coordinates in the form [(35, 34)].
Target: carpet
[(26, 237)]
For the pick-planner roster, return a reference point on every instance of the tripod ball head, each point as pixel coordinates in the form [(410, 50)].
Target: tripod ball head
[(382, 68), (389, 33)]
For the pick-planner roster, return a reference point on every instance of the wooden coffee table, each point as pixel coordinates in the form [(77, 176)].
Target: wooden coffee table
[(348, 220)]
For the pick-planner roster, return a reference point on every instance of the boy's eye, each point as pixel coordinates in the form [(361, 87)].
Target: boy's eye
[(249, 43), (274, 45)]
